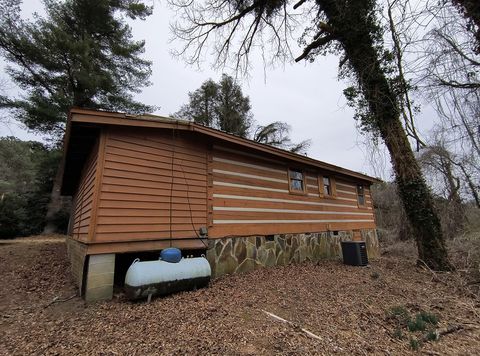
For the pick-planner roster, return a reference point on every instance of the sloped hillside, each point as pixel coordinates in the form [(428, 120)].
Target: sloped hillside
[(330, 308)]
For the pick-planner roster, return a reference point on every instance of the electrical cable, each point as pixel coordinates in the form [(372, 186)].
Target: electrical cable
[(171, 184), (188, 197)]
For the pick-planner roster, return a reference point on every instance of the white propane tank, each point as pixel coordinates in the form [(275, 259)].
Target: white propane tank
[(148, 278)]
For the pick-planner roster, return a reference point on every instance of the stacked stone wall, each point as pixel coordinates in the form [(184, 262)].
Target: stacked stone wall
[(243, 254)]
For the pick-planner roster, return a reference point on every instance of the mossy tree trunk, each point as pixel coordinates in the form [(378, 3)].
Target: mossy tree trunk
[(348, 27), (351, 25)]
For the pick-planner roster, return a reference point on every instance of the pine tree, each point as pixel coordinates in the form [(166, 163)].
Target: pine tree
[(223, 106), (277, 134), (82, 53), (219, 105), (201, 105), (233, 108)]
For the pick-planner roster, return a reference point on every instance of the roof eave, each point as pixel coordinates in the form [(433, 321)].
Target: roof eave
[(152, 121)]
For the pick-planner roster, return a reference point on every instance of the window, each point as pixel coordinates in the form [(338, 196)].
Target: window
[(297, 181), (361, 194), (327, 186)]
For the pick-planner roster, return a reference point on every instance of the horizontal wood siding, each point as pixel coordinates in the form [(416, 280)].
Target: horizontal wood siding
[(83, 199), (250, 195), (154, 187)]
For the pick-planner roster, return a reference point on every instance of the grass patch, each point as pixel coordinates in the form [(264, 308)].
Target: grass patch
[(415, 344), (422, 320), (417, 325), (406, 325), (431, 336), (429, 318), (399, 313), (398, 334)]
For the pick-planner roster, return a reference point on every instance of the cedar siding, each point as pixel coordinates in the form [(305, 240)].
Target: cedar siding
[(153, 187), (146, 183), (82, 207), (251, 196)]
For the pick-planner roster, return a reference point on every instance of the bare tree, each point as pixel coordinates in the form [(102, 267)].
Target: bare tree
[(439, 163), (347, 28), (432, 44), (450, 79), (402, 84)]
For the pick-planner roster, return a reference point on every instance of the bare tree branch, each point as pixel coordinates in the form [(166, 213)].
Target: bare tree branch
[(319, 42), (298, 4)]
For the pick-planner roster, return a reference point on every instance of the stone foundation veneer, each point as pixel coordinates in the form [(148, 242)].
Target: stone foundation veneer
[(243, 254)]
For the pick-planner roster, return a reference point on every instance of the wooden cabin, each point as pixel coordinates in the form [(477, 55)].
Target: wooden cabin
[(145, 183)]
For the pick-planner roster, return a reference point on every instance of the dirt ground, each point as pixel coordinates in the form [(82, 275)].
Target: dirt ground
[(349, 309)]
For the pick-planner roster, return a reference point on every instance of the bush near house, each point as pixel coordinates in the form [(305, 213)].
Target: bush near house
[(27, 170)]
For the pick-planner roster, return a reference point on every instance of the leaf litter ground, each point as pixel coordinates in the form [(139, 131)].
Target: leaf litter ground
[(347, 308)]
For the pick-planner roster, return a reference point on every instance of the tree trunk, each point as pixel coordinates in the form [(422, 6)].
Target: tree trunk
[(352, 26), (55, 204), (471, 185), (456, 211), (416, 198)]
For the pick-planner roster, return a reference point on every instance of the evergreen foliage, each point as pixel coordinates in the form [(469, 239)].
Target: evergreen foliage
[(81, 53), (27, 169), (219, 105), (223, 106), (277, 134)]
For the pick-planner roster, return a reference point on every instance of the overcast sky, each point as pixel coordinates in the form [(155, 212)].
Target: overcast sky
[(308, 96)]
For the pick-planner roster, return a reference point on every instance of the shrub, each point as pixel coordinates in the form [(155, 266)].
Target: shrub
[(421, 320), (13, 215), (27, 170)]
